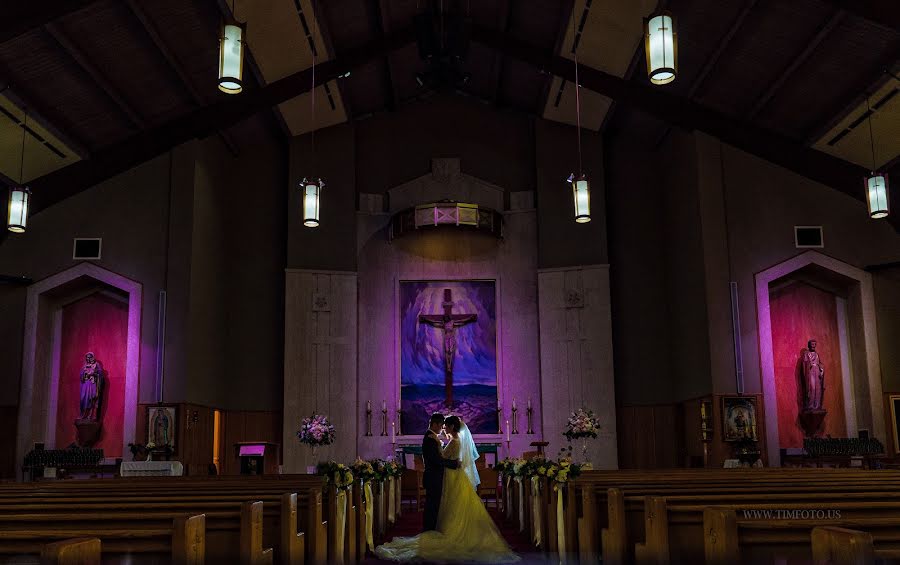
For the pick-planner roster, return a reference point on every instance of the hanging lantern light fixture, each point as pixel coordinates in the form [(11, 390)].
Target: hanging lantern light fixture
[(312, 191), (581, 187), (661, 47), (876, 184), (19, 196), (232, 40), (311, 187)]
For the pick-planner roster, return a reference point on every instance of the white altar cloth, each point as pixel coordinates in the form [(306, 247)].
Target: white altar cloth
[(151, 469)]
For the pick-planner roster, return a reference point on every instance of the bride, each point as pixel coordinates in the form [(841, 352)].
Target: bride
[(465, 531)]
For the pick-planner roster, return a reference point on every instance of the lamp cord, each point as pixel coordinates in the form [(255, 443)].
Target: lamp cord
[(22, 157), (312, 125), (871, 135), (577, 93)]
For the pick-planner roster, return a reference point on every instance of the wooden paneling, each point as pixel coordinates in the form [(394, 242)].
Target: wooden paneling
[(240, 426), (651, 437), (8, 422)]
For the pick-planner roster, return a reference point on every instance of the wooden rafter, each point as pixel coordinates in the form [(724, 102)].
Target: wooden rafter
[(680, 112), (99, 78), (505, 8), (723, 44), (150, 28), (20, 17), (824, 30), (147, 144)]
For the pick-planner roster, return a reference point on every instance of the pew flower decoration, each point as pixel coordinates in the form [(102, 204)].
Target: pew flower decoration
[(316, 430), (337, 474), (563, 471), (393, 469), (363, 470), (582, 424)]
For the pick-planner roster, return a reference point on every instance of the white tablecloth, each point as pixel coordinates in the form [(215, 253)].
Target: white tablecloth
[(151, 469)]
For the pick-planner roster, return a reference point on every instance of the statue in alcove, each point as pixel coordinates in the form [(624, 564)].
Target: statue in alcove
[(813, 378), (91, 387)]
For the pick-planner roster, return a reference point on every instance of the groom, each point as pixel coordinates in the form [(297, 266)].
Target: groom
[(433, 479)]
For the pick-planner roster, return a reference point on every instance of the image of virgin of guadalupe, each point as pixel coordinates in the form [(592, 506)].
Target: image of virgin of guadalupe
[(91, 388)]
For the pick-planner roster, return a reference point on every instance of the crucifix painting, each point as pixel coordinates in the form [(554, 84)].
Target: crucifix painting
[(448, 352)]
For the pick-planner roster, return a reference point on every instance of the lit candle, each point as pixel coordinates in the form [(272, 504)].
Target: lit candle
[(529, 404), (393, 432), (514, 404), (368, 405), (703, 410), (507, 430), (383, 405)]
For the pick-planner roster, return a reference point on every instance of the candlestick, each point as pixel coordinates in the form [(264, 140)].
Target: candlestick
[(383, 422), (383, 405), (514, 404), (393, 433), (368, 417), (515, 418), (529, 413), (399, 420), (529, 404), (507, 430), (499, 418)]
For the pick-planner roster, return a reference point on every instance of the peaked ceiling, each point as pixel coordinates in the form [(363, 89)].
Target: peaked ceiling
[(96, 74)]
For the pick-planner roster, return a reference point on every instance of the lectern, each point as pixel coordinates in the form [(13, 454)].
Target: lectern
[(257, 457)]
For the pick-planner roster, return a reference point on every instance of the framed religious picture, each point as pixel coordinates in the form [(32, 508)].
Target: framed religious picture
[(894, 400), (448, 353), (161, 426), (738, 418)]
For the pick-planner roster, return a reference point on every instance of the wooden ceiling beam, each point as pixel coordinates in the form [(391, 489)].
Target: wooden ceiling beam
[(723, 44), (145, 145), (824, 30), (505, 8), (20, 17), (566, 11), (146, 22), (883, 13), (681, 112), (380, 25), (103, 83)]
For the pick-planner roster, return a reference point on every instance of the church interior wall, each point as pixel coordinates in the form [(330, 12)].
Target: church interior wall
[(887, 302)]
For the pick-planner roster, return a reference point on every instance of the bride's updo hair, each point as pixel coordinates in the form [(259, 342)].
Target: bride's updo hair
[(453, 424)]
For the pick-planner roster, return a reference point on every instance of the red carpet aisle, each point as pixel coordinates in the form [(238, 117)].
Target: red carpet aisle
[(410, 524)]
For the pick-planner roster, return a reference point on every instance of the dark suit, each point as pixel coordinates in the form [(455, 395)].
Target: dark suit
[(433, 478)]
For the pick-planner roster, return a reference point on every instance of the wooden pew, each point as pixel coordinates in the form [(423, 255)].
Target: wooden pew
[(189, 540), (292, 541), (252, 552), (840, 546), (81, 551), (147, 530)]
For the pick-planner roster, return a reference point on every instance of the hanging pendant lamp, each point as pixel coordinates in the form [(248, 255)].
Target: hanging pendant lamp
[(232, 40), (581, 186), (876, 184), (661, 47), (19, 196), (311, 187)]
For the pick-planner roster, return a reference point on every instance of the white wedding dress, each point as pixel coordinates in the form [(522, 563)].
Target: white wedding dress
[(465, 531)]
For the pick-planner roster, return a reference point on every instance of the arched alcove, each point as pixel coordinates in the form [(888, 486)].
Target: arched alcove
[(840, 298), (53, 308)]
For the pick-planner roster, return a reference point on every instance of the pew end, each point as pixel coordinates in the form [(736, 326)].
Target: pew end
[(841, 546), (252, 551), (81, 551), (720, 536), (189, 540)]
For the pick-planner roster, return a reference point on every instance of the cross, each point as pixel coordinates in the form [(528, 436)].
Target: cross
[(447, 323)]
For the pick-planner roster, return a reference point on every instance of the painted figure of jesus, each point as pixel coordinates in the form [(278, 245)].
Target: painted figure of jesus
[(448, 322)]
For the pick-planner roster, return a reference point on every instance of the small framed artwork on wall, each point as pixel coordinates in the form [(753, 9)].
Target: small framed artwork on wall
[(161, 426), (738, 418), (894, 400)]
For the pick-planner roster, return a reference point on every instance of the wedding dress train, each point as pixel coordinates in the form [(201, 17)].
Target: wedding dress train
[(465, 530)]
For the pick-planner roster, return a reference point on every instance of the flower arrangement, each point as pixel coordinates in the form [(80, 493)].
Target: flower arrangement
[(363, 470), (582, 424), (337, 474), (316, 430), (393, 469)]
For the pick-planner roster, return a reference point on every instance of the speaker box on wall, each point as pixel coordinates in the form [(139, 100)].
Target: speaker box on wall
[(86, 248), (808, 236)]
